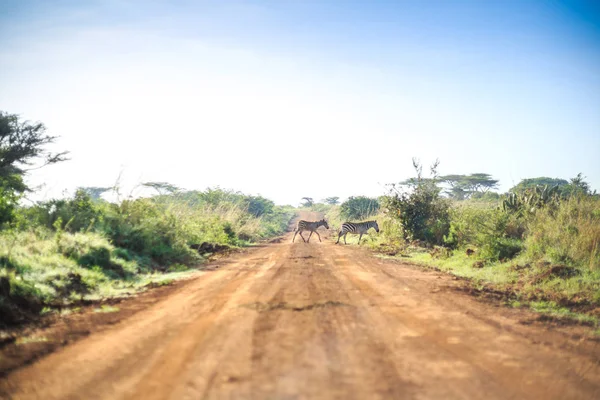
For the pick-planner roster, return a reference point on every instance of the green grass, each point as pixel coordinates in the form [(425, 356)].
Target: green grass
[(525, 284), (67, 251), (550, 254), (106, 309), (31, 339), (552, 309), (460, 264), (519, 275)]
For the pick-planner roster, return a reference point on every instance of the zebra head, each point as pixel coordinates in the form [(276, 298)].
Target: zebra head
[(375, 226), (324, 223)]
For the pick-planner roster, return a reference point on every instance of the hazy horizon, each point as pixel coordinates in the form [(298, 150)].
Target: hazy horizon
[(291, 99)]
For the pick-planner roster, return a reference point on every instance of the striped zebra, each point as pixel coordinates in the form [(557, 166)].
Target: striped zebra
[(309, 226), (356, 228)]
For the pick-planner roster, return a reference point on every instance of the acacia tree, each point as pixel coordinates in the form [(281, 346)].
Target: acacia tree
[(464, 186), (162, 188), (332, 200), (23, 146), (307, 202)]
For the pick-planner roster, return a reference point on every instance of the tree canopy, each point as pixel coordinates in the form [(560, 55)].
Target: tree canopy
[(162, 187), (465, 186), (22, 146), (531, 183), (307, 202), (332, 200), (22, 143), (573, 186)]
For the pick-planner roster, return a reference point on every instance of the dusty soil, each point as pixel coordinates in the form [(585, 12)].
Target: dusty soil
[(316, 320)]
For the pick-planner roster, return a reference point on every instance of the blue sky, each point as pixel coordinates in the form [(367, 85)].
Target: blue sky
[(305, 98)]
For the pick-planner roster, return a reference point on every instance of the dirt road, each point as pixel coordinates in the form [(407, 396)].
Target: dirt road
[(299, 321)]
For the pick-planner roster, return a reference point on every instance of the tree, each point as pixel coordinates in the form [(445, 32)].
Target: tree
[(577, 186), (22, 144), (332, 200), (480, 182), (459, 188), (308, 202), (531, 183), (465, 186), (574, 186), (162, 187), (258, 205)]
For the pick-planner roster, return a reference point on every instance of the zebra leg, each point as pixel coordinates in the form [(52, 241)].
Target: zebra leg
[(302, 237), (308, 241), (360, 237), (318, 236), (345, 234), (295, 233), (339, 236)]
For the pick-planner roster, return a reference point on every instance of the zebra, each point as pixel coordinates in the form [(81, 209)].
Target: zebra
[(356, 227), (309, 226)]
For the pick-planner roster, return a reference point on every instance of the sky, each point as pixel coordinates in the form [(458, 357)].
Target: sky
[(289, 99)]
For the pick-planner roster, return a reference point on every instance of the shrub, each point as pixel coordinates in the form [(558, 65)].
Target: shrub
[(497, 235), (76, 214), (417, 204), (359, 208), (570, 234)]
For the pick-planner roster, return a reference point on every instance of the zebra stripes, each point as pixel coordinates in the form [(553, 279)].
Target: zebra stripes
[(357, 228), (309, 226)]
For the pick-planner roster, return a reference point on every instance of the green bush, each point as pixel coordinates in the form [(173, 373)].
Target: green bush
[(8, 206), (149, 229), (321, 207), (65, 250), (359, 208), (569, 235), (422, 212), (76, 214), (497, 235)]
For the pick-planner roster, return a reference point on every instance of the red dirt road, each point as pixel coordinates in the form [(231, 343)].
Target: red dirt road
[(316, 321)]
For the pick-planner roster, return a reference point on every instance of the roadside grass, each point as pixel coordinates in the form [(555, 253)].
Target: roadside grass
[(119, 250), (547, 276), (104, 308), (572, 298), (31, 339), (44, 271), (552, 309), (531, 279)]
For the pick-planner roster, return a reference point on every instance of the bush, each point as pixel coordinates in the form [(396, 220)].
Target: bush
[(65, 250), (8, 206), (570, 234), (422, 212), (359, 208), (76, 214), (321, 207), (497, 235)]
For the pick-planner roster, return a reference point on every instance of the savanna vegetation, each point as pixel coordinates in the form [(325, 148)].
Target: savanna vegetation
[(539, 243), (64, 251)]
